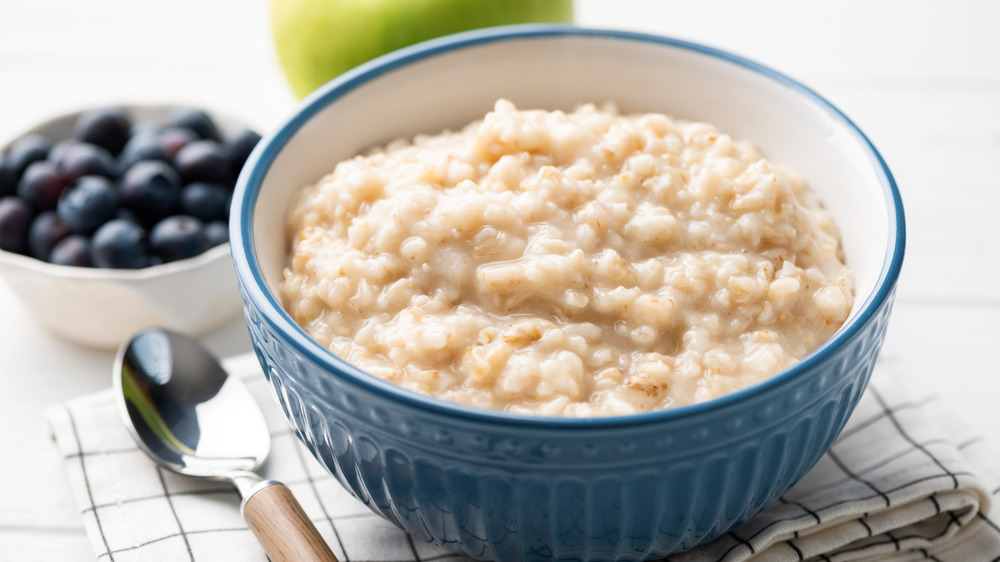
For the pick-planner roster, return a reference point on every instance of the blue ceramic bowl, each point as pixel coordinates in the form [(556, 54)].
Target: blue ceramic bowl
[(512, 487)]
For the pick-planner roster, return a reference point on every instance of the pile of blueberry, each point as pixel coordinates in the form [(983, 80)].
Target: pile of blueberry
[(122, 194)]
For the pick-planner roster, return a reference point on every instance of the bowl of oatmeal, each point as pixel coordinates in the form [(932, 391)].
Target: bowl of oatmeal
[(576, 294)]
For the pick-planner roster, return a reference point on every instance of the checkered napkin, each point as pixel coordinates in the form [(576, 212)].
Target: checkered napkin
[(905, 481)]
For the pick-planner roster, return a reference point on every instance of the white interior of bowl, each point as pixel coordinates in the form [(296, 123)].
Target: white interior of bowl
[(454, 87)]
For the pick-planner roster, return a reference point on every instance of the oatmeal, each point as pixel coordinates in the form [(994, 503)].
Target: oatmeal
[(576, 264)]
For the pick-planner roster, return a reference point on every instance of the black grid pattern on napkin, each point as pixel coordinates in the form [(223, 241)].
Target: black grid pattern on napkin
[(903, 472), (174, 540), (905, 497)]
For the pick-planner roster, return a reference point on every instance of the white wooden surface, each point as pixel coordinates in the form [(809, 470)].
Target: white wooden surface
[(921, 78)]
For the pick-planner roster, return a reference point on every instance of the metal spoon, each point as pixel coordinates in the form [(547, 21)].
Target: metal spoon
[(190, 417)]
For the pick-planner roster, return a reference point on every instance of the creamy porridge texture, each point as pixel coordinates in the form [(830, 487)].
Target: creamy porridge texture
[(579, 264)]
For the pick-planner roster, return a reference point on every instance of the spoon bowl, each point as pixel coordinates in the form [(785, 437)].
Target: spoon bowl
[(188, 415), (185, 411)]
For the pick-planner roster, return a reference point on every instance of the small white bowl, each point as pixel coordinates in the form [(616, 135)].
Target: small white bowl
[(102, 307)]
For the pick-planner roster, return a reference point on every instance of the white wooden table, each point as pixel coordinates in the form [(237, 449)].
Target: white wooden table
[(921, 78)]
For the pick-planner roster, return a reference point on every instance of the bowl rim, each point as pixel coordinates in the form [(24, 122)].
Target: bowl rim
[(251, 179)]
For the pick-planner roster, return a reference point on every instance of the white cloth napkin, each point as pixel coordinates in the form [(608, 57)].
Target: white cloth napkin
[(905, 481)]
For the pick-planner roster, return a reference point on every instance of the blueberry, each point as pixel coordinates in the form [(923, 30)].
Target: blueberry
[(178, 237), (106, 127), (204, 201), (25, 152), (15, 220), (88, 204), (151, 190), (237, 148), (119, 244), (41, 185), (123, 213), (8, 181), (217, 233), (202, 161), (173, 139), (142, 146), (46, 231), (196, 120), (73, 250), (104, 195), (144, 127), (59, 150), (83, 159)]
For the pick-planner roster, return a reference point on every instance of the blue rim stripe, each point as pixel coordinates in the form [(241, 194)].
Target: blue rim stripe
[(264, 155)]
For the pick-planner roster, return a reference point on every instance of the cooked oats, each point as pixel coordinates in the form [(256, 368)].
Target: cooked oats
[(577, 264)]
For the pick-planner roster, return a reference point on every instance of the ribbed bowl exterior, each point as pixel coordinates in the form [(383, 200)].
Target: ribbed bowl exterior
[(518, 491)]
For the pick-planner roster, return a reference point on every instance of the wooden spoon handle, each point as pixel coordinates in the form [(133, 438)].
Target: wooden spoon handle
[(283, 529)]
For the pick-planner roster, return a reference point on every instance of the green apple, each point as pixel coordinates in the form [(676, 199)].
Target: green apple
[(318, 39)]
